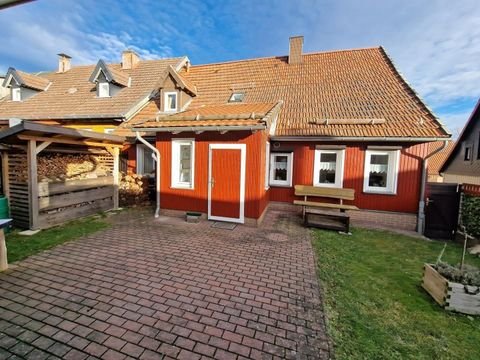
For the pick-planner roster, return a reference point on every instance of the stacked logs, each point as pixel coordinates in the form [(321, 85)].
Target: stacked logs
[(60, 167), (133, 190)]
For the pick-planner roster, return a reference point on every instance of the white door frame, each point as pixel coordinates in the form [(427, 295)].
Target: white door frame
[(243, 149)]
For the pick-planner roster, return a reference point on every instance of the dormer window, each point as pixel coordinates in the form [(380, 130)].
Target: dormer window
[(16, 94), (109, 81), (103, 89), (170, 101), (237, 97), (23, 85)]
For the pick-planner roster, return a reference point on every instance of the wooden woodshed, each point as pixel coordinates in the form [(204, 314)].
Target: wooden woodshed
[(54, 174)]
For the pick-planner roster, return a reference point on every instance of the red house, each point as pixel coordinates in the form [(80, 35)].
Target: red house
[(234, 138)]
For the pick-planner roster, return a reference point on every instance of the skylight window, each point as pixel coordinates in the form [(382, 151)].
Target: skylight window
[(237, 97)]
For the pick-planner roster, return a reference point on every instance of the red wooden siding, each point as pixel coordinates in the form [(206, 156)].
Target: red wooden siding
[(197, 199), (409, 178), (225, 193), (131, 153)]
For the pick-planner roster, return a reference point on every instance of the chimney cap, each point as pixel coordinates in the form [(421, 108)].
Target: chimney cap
[(296, 37), (64, 55)]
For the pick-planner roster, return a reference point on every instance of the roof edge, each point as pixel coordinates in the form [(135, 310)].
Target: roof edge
[(472, 116), (358, 138), (414, 92)]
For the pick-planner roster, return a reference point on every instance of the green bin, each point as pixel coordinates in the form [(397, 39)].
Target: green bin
[(4, 211)]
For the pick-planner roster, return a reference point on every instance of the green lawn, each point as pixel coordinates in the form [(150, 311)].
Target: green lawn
[(19, 247), (375, 305)]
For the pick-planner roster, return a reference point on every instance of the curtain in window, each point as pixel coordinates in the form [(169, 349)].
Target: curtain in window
[(185, 163), (280, 168)]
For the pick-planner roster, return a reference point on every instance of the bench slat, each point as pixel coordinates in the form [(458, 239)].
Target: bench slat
[(335, 193), (325, 205)]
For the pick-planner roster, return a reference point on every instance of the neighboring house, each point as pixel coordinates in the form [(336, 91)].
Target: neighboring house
[(235, 137), (95, 97), (463, 164), (437, 160), (3, 90)]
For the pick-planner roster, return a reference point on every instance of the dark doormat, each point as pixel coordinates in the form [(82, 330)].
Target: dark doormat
[(224, 225)]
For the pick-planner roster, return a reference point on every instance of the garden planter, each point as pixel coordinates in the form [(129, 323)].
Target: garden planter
[(451, 295)]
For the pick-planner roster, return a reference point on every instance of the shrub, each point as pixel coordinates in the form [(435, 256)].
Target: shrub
[(471, 215)]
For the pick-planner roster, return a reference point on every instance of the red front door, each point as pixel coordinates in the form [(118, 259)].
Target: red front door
[(226, 182)]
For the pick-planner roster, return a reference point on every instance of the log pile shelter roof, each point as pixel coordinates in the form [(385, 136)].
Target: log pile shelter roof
[(26, 130)]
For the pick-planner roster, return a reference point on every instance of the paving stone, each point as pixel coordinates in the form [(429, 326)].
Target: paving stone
[(185, 291)]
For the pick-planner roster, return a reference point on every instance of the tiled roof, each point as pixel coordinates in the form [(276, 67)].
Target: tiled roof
[(71, 95), (214, 115), (349, 85), (33, 81), (437, 160)]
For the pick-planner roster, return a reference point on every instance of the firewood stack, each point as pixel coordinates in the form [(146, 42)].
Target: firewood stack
[(133, 190), (61, 167)]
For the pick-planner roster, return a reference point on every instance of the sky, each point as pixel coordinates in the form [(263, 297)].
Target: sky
[(435, 44)]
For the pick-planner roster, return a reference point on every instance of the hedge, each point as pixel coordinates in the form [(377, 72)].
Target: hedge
[(471, 214)]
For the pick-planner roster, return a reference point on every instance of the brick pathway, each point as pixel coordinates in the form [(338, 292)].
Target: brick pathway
[(161, 289)]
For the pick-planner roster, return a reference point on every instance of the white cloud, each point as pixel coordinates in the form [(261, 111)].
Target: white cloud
[(32, 36)]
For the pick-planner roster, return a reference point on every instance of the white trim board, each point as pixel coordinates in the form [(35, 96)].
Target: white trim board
[(243, 157)]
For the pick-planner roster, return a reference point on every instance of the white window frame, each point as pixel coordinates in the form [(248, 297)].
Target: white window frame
[(392, 174), (339, 168), (267, 165), (175, 183), (103, 89), (165, 96), (288, 182), (140, 155), (16, 94)]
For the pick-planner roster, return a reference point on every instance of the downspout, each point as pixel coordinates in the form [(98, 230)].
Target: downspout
[(156, 157), (421, 203)]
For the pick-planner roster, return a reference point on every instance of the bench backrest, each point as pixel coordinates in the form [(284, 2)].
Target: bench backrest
[(334, 193)]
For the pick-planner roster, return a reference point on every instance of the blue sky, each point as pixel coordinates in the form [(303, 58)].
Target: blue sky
[(434, 43)]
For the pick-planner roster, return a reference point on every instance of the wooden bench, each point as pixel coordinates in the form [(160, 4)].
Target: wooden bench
[(325, 219)]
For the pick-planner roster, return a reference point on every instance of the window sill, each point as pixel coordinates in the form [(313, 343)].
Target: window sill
[(372, 192), (334, 186), (281, 185), (178, 187)]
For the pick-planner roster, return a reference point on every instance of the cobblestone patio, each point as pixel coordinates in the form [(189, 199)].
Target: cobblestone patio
[(161, 289)]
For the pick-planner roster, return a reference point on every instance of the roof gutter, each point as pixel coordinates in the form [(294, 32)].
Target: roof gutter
[(201, 128), (421, 202), (156, 157), (67, 117), (357, 138)]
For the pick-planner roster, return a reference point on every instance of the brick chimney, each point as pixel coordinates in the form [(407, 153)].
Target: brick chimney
[(296, 50), (64, 63), (130, 59)]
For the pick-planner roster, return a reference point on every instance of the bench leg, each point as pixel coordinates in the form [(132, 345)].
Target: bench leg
[(303, 212)]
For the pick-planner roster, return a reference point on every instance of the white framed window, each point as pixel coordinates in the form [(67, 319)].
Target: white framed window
[(109, 131), (328, 168), (170, 101), (281, 167), (145, 162), (267, 164), (183, 155), (467, 156), (16, 94), (381, 171), (103, 89)]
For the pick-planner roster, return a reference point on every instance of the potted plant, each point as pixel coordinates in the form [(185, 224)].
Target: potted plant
[(454, 287)]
